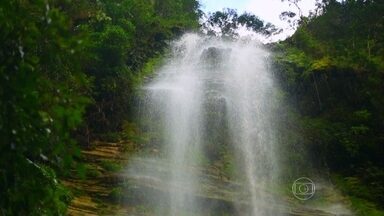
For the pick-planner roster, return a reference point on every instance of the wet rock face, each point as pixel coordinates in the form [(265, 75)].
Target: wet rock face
[(145, 186), (215, 55)]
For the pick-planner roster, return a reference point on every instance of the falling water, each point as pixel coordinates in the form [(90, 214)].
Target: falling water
[(249, 97), (229, 78)]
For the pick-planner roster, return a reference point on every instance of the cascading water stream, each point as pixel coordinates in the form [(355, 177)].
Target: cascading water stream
[(178, 95), (205, 76), (250, 100)]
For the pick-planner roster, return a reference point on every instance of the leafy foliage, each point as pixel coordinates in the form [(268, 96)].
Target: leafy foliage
[(61, 61), (131, 33), (40, 89), (332, 69)]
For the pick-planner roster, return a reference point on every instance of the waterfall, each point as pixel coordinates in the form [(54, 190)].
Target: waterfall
[(212, 96)]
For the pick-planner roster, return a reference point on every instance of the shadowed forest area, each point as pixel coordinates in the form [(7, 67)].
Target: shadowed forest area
[(70, 78)]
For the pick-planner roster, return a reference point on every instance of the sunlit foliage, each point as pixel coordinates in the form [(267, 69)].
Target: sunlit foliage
[(332, 69)]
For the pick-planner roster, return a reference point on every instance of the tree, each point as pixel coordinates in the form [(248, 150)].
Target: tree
[(61, 60), (226, 23), (41, 88), (130, 33), (332, 69)]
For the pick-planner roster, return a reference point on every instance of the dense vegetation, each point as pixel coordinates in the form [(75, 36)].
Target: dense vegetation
[(69, 65), (332, 70), (69, 70)]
